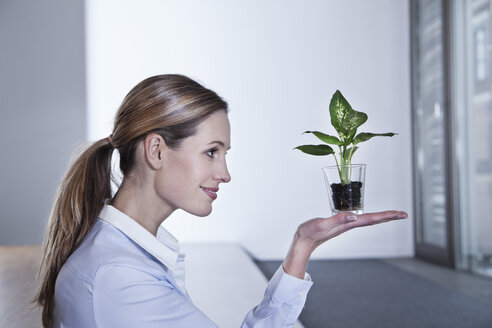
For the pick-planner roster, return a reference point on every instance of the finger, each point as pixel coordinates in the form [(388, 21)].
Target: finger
[(344, 221), (338, 219), (380, 217), (349, 217), (336, 224)]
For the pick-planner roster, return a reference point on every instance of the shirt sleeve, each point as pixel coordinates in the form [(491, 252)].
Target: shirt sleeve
[(282, 304), (129, 296)]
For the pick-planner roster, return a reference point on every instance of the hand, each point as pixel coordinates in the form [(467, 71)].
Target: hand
[(312, 233)]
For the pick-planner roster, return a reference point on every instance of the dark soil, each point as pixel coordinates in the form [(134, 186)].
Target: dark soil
[(346, 197)]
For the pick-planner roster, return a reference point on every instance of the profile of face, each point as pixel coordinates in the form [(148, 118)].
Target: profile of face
[(190, 176)]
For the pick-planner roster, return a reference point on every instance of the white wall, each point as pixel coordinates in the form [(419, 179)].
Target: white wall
[(277, 63)]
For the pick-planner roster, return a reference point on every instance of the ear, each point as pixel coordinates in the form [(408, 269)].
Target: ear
[(154, 146)]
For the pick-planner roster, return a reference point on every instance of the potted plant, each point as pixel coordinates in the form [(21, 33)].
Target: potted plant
[(346, 185)]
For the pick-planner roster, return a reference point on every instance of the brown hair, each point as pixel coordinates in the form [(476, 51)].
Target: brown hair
[(170, 105)]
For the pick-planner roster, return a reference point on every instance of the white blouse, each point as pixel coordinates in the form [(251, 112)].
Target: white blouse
[(123, 276)]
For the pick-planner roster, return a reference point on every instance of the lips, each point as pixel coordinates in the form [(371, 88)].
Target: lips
[(211, 192)]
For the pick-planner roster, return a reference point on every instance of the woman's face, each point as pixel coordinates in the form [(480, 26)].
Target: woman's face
[(190, 176)]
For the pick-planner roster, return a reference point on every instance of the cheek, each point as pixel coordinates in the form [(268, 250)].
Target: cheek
[(194, 173), (175, 185), (180, 180)]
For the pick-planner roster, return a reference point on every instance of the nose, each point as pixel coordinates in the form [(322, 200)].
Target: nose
[(223, 173)]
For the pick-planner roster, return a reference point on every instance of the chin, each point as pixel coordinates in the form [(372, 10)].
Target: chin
[(201, 212)]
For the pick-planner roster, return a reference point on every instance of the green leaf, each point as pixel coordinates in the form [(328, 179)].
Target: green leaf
[(317, 150), (344, 119), (364, 136), (326, 138)]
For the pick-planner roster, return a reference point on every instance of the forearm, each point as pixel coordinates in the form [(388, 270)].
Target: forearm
[(297, 258), (282, 303)]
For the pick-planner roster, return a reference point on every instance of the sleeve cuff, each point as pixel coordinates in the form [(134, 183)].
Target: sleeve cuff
[(285, 288)]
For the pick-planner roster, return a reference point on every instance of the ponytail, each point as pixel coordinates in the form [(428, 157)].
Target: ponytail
[(79, 199)]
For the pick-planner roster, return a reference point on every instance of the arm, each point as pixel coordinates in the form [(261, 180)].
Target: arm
[(136, 296), (287, 290)]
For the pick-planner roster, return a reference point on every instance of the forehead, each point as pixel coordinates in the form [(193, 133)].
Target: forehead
[(216, 127)]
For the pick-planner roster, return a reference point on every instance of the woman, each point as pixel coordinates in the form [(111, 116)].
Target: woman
[(107, 261)]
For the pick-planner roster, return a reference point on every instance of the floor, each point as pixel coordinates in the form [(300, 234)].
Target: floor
[(18, 265), (474, 286), (18, 268), (388, 293)]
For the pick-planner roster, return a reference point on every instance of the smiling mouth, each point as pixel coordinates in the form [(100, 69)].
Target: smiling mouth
[(211, 192)]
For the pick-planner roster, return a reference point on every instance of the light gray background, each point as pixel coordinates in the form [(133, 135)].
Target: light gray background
[(43, 109)]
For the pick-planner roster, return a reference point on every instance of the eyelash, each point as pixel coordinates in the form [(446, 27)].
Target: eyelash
[(210, 153)]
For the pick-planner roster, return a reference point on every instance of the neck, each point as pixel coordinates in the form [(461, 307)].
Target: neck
[(141, 205)]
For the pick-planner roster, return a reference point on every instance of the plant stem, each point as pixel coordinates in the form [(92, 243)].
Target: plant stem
[(344, 169), (338, 167)]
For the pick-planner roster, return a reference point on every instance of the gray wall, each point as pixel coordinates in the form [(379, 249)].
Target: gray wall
[(42, 107)]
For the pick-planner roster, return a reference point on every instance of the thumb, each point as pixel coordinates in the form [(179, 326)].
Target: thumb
[(345, 217)]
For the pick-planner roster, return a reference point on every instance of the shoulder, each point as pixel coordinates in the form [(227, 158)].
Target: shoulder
[(127, 277), (104, 247), (107, 268)]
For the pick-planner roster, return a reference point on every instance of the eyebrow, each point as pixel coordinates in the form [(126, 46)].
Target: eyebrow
[(220, 143)]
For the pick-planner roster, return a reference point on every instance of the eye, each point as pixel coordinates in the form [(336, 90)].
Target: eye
[(211, 152)]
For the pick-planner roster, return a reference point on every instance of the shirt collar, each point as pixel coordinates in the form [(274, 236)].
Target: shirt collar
[(165, 247)]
